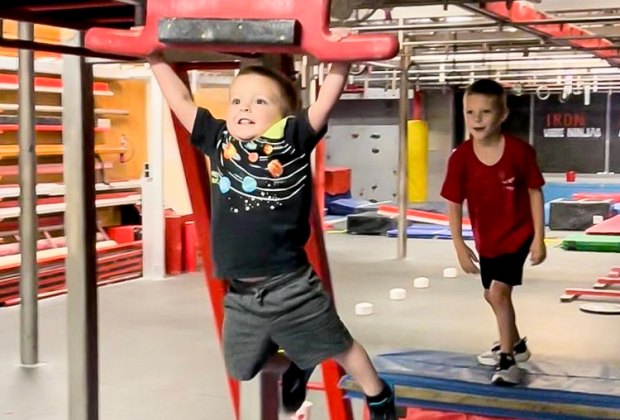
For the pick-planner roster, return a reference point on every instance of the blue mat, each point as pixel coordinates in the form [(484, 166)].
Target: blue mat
[(555, 190), (552, 389), (427, 231), (346, 206), (331, 198)]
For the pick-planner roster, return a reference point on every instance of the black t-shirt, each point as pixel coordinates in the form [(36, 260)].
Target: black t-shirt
[(261, 195)]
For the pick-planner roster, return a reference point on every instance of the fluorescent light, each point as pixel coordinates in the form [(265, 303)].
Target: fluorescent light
[(456, 19)]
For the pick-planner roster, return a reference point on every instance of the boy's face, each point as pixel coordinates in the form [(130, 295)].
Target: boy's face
[(255, 105), (484, 115)]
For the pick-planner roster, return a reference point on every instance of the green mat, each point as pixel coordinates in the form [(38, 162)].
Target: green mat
[(596, 243)]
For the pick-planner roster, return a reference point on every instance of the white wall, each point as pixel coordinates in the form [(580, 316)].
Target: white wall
[(365, 117)]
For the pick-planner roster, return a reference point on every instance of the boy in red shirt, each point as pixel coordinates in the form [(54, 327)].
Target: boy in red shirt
[(498, 176)]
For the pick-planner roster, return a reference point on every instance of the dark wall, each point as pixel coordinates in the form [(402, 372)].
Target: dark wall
[(614, 146), (566, 135), (570, 135)]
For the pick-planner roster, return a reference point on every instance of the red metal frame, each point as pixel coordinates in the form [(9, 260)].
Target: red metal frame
[(198, 182), (524, 12), (312, 17)]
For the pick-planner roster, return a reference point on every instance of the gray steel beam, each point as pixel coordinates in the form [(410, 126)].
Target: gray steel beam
[(403, 117), (28, 227), (80, 230)]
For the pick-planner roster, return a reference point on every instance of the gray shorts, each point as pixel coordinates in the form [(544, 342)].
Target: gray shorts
[(291, 312)]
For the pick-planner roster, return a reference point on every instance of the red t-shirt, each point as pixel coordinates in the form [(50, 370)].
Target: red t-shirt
[(497, 196)]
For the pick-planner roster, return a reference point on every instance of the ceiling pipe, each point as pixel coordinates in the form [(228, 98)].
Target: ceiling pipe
[(502, 70), (508, 57), (476, 24), (430, 43), (69, 6), (551, 77)]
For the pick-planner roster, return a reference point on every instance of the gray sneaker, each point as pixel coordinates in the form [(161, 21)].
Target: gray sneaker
[(507, 373), (491, 357)]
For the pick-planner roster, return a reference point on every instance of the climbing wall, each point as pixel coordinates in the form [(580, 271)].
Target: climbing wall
[(363, 135)]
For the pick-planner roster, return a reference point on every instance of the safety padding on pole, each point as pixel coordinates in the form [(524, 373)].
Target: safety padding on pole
[(417, 139)]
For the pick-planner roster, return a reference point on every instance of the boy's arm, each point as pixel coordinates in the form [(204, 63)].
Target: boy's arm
[(538, 217), (538, 214), (177, 95), (333, 85), (535, 181), (455, 216), (467, 258)]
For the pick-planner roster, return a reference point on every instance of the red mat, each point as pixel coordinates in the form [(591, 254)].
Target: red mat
[(597, 196), (424, 414), (610, 226), (421, 216), (421, 414)]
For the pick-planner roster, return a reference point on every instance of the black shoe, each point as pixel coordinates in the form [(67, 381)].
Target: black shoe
[(507, 372), (294, 382), (383, 406)]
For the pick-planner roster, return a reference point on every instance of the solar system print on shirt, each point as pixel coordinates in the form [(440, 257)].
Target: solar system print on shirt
[(261, 195), (264, 172)]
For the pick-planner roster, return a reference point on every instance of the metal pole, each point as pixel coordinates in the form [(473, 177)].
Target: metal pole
[(607, 132), (80, 230), (531, 132), (28, 230), (403, 117)]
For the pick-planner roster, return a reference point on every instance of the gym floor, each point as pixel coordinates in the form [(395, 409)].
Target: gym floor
[(160, 360)]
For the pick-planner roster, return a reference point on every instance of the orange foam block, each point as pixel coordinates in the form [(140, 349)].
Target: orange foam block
[(337, 180)]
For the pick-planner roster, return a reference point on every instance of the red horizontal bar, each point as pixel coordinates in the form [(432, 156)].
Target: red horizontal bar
[(45, 168), (44, 128), (593, 292), (49, 275), (43, 222), (61, 258), (61, 199), (608, 280), (49, 82), (127, 274)]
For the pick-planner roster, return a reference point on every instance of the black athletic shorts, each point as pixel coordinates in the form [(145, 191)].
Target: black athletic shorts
[(506, 268)]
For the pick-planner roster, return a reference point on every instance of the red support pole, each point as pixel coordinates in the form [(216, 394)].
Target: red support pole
[(319, 178), (189, 246), (339, 406), (198, 179), (417, 109)]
